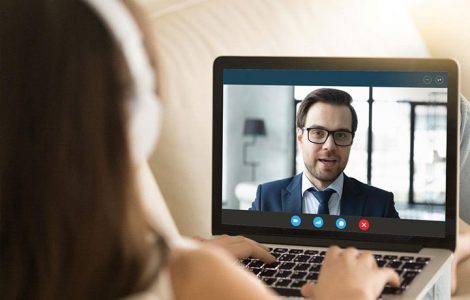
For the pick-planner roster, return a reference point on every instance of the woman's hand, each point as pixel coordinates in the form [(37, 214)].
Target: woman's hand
[(240, 247), (350, 274)]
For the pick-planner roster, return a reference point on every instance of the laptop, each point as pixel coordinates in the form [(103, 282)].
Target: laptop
[(403, 156)]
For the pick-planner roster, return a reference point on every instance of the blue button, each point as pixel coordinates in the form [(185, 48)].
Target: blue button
[(318, 222), (340, 223), (295, 221)]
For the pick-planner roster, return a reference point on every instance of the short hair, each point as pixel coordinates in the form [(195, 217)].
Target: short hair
[(329, 96)]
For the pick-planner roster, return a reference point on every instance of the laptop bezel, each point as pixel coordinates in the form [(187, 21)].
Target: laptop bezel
[(305, 237)]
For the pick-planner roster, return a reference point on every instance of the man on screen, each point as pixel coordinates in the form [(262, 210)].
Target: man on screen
[(326, 123)]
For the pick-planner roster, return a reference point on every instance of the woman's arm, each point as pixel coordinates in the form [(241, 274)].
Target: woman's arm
[(210, 273)]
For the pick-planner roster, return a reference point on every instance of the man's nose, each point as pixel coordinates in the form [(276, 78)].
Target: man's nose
[(329, 143)]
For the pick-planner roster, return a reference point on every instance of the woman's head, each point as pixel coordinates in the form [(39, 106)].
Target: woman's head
[(70, 224)]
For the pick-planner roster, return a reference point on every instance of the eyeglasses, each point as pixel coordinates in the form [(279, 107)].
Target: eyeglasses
[(319, 136)]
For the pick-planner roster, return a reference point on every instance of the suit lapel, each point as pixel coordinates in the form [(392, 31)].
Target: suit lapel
[(292, 195), (351, 202)]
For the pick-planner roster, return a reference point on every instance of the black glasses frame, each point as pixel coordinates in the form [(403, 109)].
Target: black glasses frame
[(330, 132)]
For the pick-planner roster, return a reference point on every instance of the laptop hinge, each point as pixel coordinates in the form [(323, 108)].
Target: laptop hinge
[(315, 242)]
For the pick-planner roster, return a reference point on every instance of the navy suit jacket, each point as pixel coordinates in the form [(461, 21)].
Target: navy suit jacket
[(358, 199)]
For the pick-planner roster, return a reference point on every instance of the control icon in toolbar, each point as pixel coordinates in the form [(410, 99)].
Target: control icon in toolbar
[(364, 225), (318, 222), (341, 223), (295, 221), (427, 79)]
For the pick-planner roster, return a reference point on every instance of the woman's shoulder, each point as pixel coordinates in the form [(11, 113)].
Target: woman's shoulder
[(162, 287)]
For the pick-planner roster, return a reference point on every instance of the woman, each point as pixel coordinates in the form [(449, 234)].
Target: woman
[(78, 115)]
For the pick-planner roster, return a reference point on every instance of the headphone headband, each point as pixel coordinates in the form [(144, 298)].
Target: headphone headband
[(126, 33), (144, 104)]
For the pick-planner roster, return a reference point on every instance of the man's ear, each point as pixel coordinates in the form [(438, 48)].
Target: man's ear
[(299, 135)]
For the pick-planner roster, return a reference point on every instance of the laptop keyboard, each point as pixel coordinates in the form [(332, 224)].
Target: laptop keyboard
[(295, 267)]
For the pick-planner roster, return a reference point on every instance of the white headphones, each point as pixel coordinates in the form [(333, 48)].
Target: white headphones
[(144, 106)]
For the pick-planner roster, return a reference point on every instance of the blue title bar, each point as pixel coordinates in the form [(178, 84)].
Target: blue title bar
[(335, 78)]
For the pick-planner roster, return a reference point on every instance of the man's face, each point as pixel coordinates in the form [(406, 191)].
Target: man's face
[(324, 162)]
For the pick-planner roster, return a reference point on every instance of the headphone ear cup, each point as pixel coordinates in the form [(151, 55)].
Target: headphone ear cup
[(144, 126)]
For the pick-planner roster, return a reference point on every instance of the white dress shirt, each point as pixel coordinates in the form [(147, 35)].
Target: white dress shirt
[(310, 203)]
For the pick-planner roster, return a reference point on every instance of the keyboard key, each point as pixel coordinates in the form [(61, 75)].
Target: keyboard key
[(395, 264), (301, 258), (256, 271), (310, 252), (407, 258), (423, 259), (406, 282), (302, 267), (378, 256), (283, 273), (316, 259), (389, 290), (296, 251), (298, 275), (315, 268), (286, 266), (245, 261), (283, 282), (413, 266), (273, 265), (267, 273), (276, 255), (256, 264), (410, 274), (312, 276), (280, 250), (269, 281), (323, 253), (286, 257), (381, 263), (390, 257), (298, 283)]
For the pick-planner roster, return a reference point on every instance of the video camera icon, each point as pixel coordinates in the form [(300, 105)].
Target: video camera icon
[(295, 221)]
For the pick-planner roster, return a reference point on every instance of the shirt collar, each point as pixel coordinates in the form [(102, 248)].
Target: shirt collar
[(336, 185)]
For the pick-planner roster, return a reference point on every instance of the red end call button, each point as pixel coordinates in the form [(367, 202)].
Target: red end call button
[(363, 225)]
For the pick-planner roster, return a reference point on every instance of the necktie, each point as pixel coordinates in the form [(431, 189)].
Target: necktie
[(323, 197)]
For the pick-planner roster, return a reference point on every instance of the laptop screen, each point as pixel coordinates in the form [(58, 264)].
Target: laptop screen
[(335, 147)]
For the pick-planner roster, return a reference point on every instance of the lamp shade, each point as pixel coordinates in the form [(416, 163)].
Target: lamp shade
[(254, 127)]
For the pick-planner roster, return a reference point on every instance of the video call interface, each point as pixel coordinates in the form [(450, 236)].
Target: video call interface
[(383, 174)]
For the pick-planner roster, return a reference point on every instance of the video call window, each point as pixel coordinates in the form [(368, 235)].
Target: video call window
[(259, 143)]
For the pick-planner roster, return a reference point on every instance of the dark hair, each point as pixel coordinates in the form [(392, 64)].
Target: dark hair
[(326, 95), (71, 223)]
